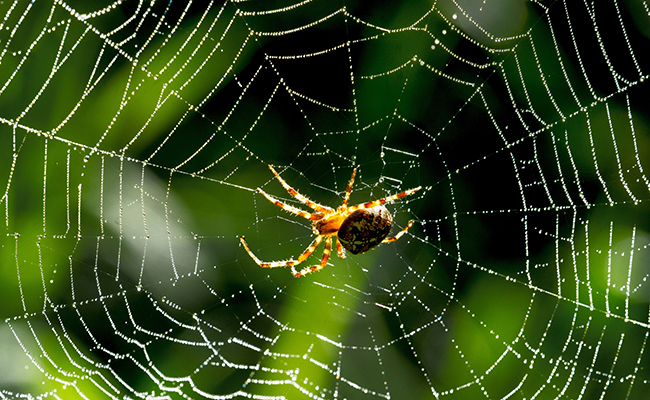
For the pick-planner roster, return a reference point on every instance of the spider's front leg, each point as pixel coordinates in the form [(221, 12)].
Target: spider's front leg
[(323, 261), (318, 207), (286, 263), (291, 209)]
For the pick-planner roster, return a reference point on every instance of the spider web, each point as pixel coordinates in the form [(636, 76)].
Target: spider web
[(135, 134)]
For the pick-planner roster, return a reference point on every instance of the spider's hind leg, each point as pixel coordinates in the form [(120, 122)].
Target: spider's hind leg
[(349, 190), (399, 234), (339, 249), (384, 200)]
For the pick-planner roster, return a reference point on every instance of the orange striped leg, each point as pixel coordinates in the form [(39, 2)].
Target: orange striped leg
[(388, 199), (323, 261), (298, 196), (399, 235), (289, 208), (287, 263), (349, 189), (339, 249)]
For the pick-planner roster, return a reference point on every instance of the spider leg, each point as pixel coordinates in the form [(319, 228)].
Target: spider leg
[(323, 261), (291, 209), (399, 234), (287, 263), (388, 199), (349, 189), (298, 196), (339, 249)]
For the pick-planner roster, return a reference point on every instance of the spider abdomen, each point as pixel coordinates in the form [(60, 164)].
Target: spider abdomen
[(365, 228)]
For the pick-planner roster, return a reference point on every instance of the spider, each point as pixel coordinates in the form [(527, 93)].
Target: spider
[(358, 228)]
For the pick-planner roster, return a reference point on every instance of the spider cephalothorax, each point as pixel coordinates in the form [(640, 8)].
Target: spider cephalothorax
[(358, 228)]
